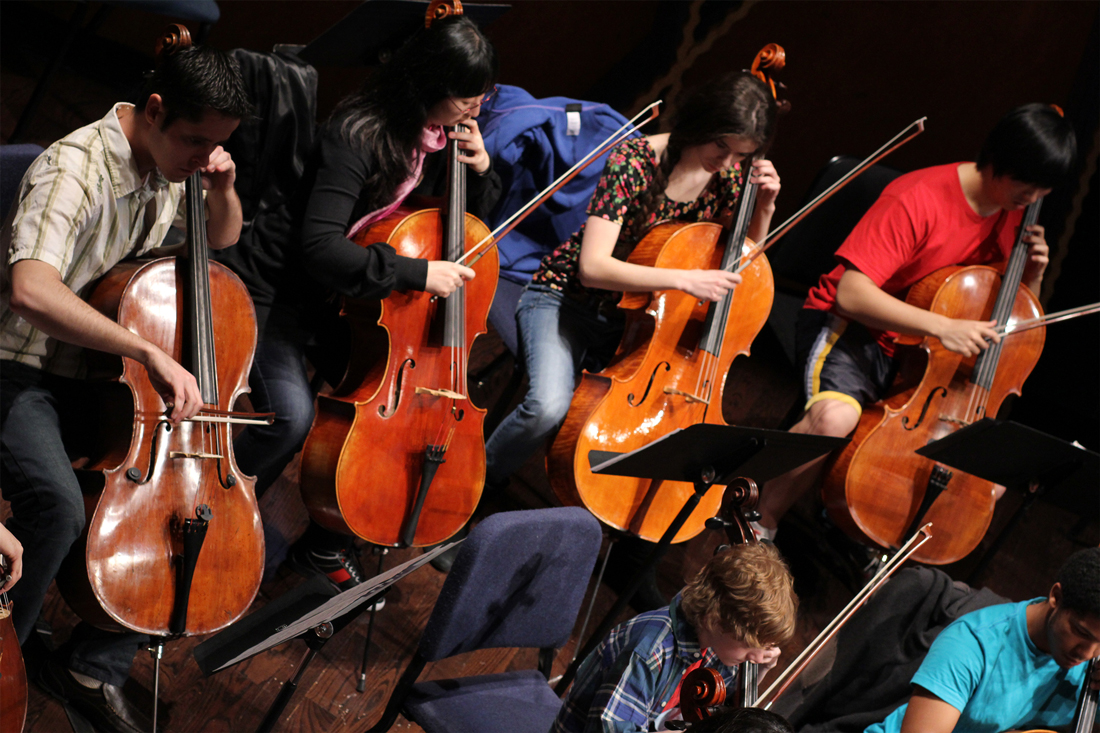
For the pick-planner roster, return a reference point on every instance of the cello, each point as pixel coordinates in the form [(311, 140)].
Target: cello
[(669, 370), (396, 454), (13, 674), (173, 544), (877, 488)]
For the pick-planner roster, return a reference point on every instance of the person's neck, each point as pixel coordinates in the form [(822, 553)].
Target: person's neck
[(974, 184), (136, 130), (1038, 615)]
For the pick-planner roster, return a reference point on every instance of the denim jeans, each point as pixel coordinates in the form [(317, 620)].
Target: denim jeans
[(279, 384), (36, 411), (559, 336)]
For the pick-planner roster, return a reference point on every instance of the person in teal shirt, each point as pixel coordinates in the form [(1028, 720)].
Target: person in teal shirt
[(1012, 666)]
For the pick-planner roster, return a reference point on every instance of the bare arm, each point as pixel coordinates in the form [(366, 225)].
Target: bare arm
[(40, 296), (928, 714), (858, 298), (223, 228), (598, 269)]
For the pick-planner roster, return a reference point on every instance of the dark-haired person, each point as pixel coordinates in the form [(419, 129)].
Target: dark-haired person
[(380, 145), (107, 191), (955, 214), (738, 607), (567, 315), (1014, 666)]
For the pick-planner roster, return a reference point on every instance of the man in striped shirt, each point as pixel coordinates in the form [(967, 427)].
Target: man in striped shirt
[(105, 192), (737, 609)]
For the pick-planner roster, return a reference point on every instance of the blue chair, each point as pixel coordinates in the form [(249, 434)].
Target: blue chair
[(14, 161), (518, 581)]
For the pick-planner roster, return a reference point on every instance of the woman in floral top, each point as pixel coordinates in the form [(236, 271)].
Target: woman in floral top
[(566, 317)]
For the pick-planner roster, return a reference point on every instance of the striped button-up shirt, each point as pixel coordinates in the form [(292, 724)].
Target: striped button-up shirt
[(81, 207), (627, 681)]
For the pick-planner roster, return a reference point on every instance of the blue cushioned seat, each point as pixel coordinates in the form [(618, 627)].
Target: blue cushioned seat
[(518, 581), (517, 701)]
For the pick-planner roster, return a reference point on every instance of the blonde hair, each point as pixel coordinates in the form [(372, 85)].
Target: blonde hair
[(746, 591)]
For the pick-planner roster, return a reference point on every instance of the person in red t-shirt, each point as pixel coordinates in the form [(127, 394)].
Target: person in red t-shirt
[(957, 214)]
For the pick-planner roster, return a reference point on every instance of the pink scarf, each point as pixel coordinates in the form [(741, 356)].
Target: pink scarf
[(433, 138)]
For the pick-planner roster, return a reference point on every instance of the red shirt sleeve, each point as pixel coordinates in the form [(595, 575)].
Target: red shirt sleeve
[(885, 239)]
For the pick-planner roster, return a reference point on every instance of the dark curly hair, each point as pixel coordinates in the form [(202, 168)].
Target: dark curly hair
[(1080, 581)]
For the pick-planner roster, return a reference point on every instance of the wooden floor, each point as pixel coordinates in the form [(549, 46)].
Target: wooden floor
[(326, 700), (761, 392)]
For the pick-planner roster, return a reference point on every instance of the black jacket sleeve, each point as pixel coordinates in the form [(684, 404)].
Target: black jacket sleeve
[(330, 257)]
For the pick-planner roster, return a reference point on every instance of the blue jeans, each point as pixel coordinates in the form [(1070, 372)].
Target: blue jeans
[(559, 336), (38, 419), (279, 384)]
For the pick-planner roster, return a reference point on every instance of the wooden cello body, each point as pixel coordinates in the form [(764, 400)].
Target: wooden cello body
[(669, 372), (156, 477), (13, 675), (396, 454), (877, 488)]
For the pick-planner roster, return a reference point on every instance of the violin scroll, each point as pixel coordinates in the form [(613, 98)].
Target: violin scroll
[(701, 689)]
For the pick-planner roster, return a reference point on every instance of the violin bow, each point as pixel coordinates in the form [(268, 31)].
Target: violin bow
[(783, 681), (1019, 326), (910, 132), (513, 221)]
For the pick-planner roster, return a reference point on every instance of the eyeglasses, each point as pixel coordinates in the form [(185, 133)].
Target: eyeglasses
[(485, 98)]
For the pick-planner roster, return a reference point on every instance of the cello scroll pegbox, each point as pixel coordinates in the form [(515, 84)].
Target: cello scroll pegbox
[(770, 60), (439, 9), (175, 38), (739, 508)]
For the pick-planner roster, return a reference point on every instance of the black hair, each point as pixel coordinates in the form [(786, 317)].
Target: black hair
[(1080, 581), (733, 104), (1031, 144), (194, 80), (385, 118), (742, 720)]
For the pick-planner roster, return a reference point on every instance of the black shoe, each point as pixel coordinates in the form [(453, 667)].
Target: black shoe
[(105, 707)]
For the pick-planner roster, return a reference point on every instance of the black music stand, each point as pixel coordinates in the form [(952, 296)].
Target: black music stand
[(704, 455), (314, 611), (1017, 457)]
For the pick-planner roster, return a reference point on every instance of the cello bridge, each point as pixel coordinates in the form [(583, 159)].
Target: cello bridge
[(686, 395), (955, 420), (182, 454)]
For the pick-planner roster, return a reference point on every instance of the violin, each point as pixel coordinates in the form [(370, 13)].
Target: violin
[(877, 488), (702, 690), (669, 371), (396, 454), (173, 543), (13, 675)]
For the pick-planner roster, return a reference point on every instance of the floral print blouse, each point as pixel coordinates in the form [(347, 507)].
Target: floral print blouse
[(630, 168)]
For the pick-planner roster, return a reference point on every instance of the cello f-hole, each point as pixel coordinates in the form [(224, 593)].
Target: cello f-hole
[(649, 385), (924, 410), (382, 410)]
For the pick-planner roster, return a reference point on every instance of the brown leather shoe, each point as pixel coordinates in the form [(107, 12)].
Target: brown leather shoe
[(105, 707)]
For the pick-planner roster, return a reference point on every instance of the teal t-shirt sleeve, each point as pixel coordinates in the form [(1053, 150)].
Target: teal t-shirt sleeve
[(953, 666)]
